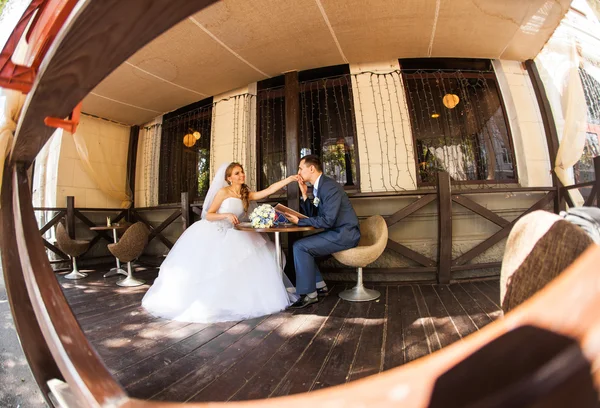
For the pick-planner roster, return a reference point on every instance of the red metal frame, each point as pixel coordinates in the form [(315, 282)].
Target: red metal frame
[(48, 18)]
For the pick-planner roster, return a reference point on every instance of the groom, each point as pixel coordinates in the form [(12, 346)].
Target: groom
[(330, 210)]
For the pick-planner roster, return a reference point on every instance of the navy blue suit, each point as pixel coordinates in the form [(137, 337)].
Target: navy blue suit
[(335, 215)]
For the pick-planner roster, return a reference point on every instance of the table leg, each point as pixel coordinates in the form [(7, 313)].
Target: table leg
[(117, 270), (278, 251)]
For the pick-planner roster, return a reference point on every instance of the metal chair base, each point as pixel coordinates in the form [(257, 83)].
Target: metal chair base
[(75, 274), (114, 272), (130, 280), (359, 293)]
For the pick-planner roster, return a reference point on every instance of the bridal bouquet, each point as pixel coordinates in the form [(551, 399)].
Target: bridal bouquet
[(263, 216)]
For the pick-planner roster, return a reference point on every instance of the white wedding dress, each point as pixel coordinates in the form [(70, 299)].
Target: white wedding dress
[(215, 273)]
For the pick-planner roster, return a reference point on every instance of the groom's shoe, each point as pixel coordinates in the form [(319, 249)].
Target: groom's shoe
[(303, 302), (324, 291)]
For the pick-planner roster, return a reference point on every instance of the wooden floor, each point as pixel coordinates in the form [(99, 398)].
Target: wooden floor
[(326, 344)]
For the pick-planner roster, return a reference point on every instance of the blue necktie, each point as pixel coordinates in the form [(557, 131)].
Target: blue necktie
[(315, 192)]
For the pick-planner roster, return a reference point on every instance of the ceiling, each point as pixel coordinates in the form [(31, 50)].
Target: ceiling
[(236, 42)]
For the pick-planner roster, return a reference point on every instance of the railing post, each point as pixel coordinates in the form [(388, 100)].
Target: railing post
[(186, 210), (597, 173), (71, 216), (444, 227)]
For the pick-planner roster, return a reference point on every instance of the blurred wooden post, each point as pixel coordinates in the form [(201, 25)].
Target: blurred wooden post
[(444, 227), (186, 210), (134, 134), (292, 150), (292, 133), (71, 216)]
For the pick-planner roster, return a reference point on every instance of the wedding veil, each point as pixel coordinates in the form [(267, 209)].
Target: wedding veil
[(217, 183)]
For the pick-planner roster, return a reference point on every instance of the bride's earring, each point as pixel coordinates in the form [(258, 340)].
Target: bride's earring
[(229, 182)]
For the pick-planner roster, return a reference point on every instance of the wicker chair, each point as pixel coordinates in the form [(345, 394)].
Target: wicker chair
[(130, 246), (540, 246), (373, 240), (126, 225), (71, 247)]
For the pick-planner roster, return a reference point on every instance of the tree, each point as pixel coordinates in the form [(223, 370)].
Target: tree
[(2, 4)]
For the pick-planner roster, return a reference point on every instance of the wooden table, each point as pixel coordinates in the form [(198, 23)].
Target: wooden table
[(245, 226), (114, 228)]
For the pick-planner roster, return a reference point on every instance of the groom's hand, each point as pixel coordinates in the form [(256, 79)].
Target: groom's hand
[(303, 187), (292, 218)]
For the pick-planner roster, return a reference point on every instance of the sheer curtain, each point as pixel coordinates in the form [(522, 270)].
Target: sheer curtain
[(148, 156), (94, 149), (11, 103), (559, 69)]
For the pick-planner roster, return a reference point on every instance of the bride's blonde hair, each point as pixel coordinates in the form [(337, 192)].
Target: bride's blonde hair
[(245, 191)]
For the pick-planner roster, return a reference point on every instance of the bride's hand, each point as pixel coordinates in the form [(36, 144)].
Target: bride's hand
[(232, 219), (292, 178)]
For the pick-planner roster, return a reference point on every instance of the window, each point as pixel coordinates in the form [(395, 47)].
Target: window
[(458, 121), (185, 153), (584, 168), (271, 131), (327, 126)]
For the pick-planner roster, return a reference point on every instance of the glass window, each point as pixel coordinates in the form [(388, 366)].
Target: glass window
[(185, 153), (271, 131), (458, 121), (584, 168), (327, 126)]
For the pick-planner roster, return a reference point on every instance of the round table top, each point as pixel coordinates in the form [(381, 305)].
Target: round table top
[(107, 228), (279, 228)]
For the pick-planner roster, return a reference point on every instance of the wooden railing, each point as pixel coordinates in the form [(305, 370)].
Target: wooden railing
[(594, 196), (445, 195), (70, 214), (442, 266)]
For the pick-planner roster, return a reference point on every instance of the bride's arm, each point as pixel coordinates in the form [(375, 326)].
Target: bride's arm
[(253, 196), (211, 213)]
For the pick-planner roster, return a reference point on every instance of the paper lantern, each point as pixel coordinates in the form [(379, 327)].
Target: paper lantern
[(196, 135), (450, 101), (435, 115), (189, 140)]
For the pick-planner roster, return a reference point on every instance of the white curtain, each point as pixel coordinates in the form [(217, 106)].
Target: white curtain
[(93, 154), (11, 103), (148, 157), (559, 69)]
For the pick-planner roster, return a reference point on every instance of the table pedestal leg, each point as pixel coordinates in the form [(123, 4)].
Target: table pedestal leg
[(118, 270), (278, 251)]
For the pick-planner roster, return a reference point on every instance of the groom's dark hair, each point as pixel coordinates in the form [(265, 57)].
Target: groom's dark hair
[(313, 160)]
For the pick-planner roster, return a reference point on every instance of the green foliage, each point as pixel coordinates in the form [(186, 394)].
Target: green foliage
[(2, 4)]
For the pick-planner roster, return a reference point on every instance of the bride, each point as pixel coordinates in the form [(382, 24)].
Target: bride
[(215, 273)]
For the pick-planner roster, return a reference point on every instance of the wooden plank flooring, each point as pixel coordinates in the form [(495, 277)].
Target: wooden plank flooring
[(326, 344)]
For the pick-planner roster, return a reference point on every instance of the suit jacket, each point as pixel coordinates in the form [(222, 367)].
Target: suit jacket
[(334, 213)]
